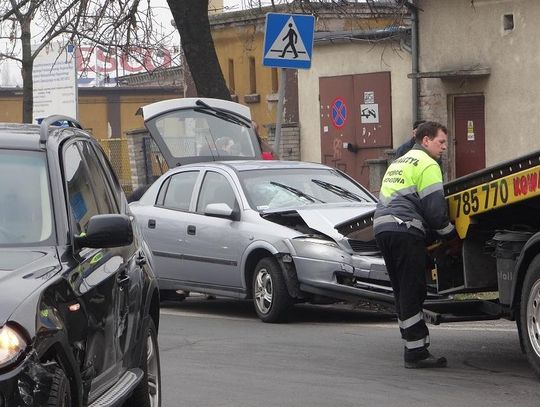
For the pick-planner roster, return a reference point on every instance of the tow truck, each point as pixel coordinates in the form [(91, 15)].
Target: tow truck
[(496, 212)]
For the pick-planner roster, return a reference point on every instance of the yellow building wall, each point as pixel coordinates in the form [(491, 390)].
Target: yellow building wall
[(93, 115), (11, 109), (239, 44)]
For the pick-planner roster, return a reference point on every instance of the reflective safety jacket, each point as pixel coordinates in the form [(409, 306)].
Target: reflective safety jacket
[(412, 197)]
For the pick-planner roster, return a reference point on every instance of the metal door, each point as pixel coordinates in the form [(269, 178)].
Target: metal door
[(356, 121), (337, 130), (469, 128)]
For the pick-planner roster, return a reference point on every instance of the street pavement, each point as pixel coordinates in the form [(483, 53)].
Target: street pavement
[(217, 353)]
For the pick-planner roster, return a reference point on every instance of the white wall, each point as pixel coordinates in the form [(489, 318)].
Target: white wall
[(349, 59), (461, 34)]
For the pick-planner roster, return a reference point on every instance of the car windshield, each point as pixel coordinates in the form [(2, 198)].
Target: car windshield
[(202, 133), (25, 201), (281, 188)]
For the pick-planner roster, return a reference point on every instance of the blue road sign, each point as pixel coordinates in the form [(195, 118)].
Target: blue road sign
[(339, 113), (288, 40)]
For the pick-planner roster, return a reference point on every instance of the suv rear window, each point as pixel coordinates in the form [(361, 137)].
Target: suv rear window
[(25, 200)]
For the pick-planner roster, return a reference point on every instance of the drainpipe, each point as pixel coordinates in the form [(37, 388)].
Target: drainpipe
[(414, 47)]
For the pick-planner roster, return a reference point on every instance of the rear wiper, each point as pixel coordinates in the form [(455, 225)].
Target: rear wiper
[(340, 191), (232, 118), (296, 192)]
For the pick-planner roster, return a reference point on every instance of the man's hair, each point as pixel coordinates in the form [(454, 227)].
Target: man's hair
[(429, 129), (417, 123)]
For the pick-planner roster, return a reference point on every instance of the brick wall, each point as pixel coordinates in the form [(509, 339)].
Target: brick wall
[(290, 141)]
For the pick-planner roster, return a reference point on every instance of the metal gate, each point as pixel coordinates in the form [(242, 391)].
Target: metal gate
[(469, 129), (154, 163), (356, 121)]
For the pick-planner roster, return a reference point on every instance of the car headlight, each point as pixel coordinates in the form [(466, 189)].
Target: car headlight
[(12, 345), (316, 240)]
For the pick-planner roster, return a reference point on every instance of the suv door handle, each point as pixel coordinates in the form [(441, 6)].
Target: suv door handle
[(191, 230), (122, 278), (151, 223), (141, 259)]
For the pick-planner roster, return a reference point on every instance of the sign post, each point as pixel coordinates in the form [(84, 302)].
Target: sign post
[(288, 43)]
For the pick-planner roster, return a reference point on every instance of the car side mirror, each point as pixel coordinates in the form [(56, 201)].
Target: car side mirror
[(104, 231), (220, 210)]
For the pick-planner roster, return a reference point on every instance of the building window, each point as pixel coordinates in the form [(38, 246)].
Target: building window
[(231, 76), (252, 76), (275, 82), (508, 22)]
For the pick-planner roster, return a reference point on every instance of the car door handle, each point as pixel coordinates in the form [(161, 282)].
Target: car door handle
[(122, 278), (140, 260), (151, 223), (191, 230)]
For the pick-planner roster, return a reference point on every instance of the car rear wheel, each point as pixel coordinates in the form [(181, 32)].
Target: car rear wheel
[(270, 295), (530, 315), (148, 392), (60, 394)]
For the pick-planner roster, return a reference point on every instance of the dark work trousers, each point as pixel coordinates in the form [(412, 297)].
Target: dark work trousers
[(405, 258)]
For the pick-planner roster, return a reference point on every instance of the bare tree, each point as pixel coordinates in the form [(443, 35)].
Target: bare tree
[(191, 19), (27, 26)]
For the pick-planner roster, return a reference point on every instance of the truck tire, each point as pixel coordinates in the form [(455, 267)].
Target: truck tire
[(529, 318), (270, 295)]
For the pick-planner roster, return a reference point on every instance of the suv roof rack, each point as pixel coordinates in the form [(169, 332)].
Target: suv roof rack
[(50, 121)]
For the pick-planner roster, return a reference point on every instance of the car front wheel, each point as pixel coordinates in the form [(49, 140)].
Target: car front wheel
[(270, 295), (60, 393)]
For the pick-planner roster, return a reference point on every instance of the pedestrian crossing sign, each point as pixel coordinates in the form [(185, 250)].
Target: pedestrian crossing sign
[(288, 40)]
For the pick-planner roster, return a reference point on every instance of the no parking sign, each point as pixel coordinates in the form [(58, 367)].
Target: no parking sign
[(339, 113)]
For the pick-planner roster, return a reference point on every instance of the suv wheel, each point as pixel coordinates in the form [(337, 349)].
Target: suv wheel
[(60, 394), (148, 392), (270, 295)]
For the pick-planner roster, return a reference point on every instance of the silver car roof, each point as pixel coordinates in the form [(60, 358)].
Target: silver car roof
[(249, 165)]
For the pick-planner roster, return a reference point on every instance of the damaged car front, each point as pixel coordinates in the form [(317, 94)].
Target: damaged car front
[(334, 253), (26, 379)]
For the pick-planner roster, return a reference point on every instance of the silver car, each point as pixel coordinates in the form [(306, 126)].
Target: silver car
[(275, 231)]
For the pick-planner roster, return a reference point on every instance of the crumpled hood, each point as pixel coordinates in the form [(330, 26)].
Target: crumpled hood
[(325, 218), (21, 273)]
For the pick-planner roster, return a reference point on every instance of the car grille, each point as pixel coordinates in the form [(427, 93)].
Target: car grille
[(362, 247)]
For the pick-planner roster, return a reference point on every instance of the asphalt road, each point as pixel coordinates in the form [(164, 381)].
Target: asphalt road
[(217, 353)]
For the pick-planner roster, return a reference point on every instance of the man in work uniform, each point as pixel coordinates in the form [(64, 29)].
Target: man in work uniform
[(411, 204)]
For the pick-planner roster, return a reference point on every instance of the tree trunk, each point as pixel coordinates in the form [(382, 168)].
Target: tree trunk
[(191, 18), (26, 72)]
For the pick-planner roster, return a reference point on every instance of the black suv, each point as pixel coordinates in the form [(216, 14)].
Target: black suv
[(79, 304)]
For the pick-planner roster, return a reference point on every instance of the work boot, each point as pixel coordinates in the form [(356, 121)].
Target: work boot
[(429, 362)]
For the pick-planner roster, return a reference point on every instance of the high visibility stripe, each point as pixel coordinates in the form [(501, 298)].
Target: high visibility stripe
[(446, 230), (378, 221), (385, 200), (420, 343), (411, 321), (438, 186), (383, 219)]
